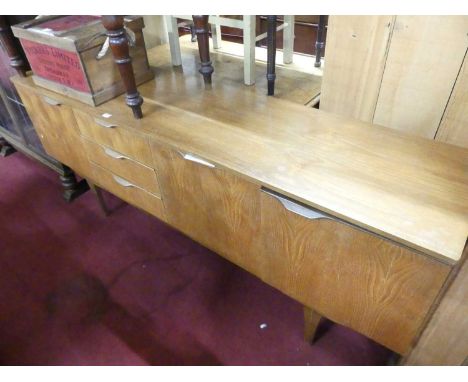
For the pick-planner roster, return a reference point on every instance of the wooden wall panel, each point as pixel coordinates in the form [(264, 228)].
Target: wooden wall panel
[(356, 53), (425, 56), (454, 126)]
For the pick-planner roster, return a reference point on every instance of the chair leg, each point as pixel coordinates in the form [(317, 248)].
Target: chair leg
[(271, 48), (320, 43), (288, 39), (173, 37), (98, 192), (201, 30), (249, 49), (119, 45), (311, 323), (216, 35)]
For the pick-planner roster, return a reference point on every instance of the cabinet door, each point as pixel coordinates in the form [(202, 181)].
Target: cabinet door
[(212, 206), (349, 275), (57, 129)]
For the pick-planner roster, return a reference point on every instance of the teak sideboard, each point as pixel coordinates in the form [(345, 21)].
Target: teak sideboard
[(361, 224)]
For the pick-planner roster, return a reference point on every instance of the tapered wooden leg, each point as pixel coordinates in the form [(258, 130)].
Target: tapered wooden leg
[(98, 192), (119, 45), (271, 49), (72, 188), (12, 48), (201, 30), (311, 323), (320, 43)]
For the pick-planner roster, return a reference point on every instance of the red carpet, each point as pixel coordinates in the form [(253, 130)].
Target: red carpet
[(77, 288)]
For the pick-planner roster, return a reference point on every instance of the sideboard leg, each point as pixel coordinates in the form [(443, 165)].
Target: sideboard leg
[(271, 49), (119, 44), (394, 359), (72, 188), (5, 148), (200, 23), (98, 192), (320, 43), (311, 323), (12, 48)]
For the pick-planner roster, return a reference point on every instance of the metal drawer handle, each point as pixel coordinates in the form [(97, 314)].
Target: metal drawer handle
[(104, 123), (295, 207), (196, 159), (114, 154), (51, 101), (122, 181)]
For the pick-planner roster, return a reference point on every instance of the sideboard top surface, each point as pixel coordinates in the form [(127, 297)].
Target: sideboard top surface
[(408, 189)]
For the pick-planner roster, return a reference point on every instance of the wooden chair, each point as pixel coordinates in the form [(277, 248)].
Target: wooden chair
[(247, 24), (271, 48)]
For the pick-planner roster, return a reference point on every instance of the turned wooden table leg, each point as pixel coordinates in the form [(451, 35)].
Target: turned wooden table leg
[(119, 44), (201, 30), (12, 48), (320, 43), (271, 49), (311, 323), (72, 188)]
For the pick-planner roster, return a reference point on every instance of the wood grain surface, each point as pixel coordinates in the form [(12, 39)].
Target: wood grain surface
[(357, 48), (417, 83), (133, 195), (409, 189), (445, 339), (119, 164), (212, 206), (57, 129), (125, 141), (349, 276)]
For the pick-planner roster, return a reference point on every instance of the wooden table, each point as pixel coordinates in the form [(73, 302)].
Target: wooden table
[(362, 224)]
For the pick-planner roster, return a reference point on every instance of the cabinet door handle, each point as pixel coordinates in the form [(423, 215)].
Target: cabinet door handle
[(114, 154), (51, 101), (295, 207), (122, 181), (104, 123), (194, 158)]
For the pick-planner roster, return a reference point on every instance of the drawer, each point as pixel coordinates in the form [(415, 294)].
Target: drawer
[(352, 276), (125, 190), (56, 126), (119, 164), (123, 140)]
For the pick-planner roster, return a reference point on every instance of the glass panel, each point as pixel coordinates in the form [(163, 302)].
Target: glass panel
[(13, 115)]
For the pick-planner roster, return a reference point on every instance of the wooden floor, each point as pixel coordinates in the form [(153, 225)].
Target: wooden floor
[(293, 82)]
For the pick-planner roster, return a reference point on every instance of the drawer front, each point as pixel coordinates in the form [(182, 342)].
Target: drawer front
[(136, 173), (127, 191), (351, 276), (101, 130), (210, 205), (57, 128)]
